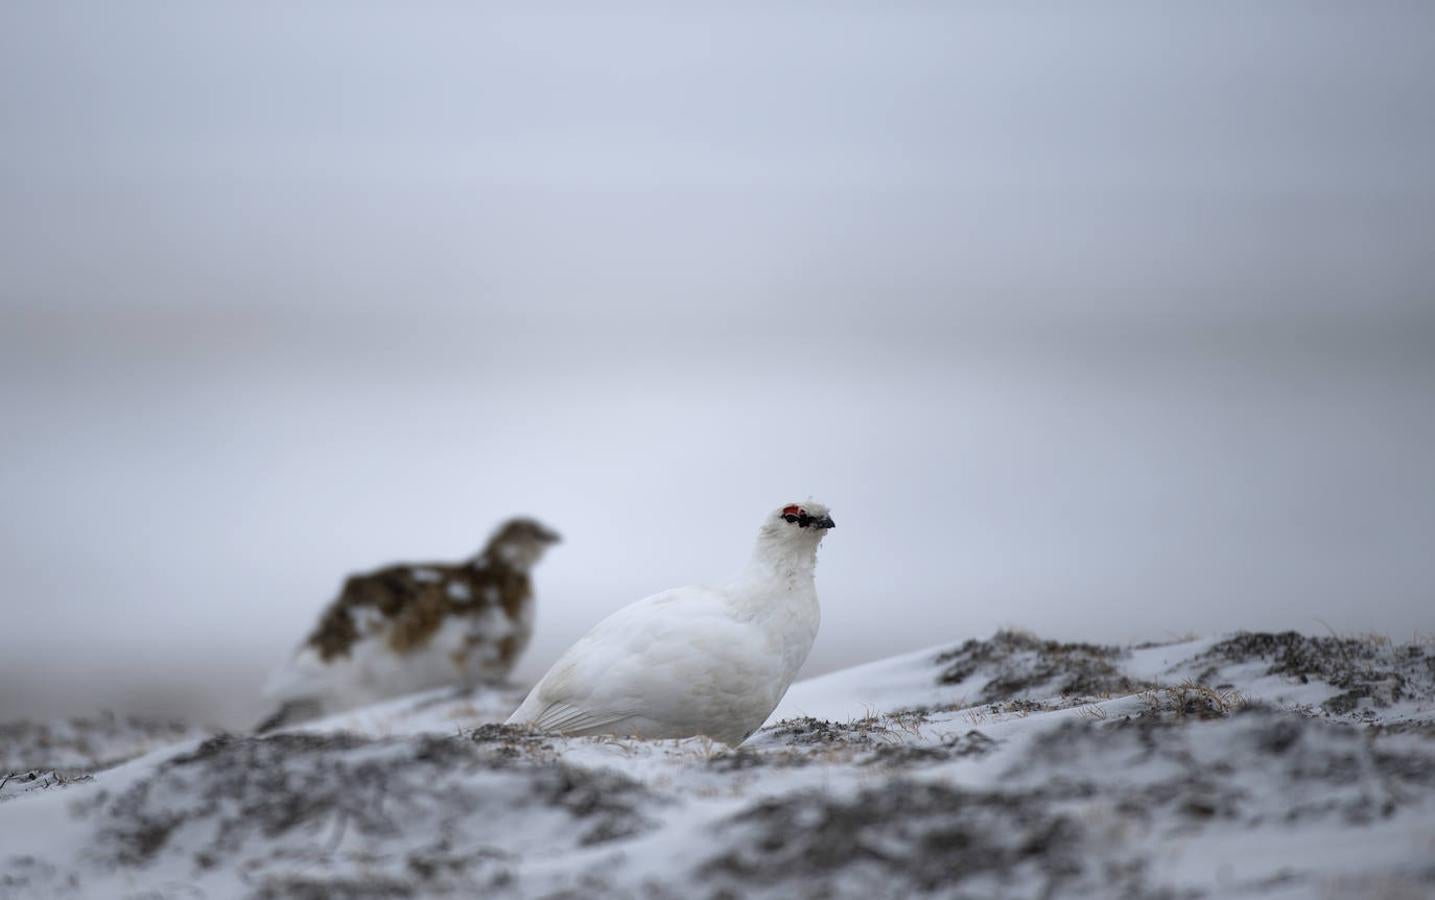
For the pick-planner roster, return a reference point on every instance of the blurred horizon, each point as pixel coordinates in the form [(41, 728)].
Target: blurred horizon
[(1113, 323)]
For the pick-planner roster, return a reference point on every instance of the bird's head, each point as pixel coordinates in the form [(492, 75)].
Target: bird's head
[(799, 522), (520, 542)]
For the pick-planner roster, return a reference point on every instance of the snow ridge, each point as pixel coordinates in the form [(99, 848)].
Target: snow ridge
[(1258, 765)]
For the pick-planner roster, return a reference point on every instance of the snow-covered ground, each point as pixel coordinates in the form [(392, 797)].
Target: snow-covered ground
[(1269, 765)]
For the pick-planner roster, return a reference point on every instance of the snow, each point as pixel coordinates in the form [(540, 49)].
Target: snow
[(851, 693), (1254, 766), (84, 744)]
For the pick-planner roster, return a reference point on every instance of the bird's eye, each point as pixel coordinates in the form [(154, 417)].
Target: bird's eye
[(796, 515)]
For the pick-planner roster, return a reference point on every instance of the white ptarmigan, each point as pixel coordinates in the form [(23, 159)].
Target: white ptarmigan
[(411, 626), (694, 661)]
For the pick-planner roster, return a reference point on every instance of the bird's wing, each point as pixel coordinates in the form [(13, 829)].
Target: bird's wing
[(561, 718), (649, 659)]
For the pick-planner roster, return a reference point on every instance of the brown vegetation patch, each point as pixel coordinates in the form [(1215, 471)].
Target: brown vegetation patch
[(1366, 669), (298, 787), (86, 744), (904, 836), (1016, 663)]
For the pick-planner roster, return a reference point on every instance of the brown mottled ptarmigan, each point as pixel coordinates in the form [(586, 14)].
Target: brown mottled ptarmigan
[(694, 661), (412, 626)]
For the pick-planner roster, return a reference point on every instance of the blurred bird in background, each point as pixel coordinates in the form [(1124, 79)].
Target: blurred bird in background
[(412, 626)]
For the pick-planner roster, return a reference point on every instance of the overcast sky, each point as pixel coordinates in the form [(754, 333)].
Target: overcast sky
[(1113, 321)]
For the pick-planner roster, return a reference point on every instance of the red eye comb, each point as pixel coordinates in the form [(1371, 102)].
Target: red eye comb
[(793, 510)]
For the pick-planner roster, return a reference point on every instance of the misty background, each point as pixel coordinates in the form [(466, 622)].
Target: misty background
[(1112, 321)]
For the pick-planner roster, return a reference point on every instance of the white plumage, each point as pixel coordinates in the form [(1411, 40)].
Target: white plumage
[(693, 661)]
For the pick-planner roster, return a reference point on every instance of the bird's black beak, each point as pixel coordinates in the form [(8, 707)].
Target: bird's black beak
[(824, 522)]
